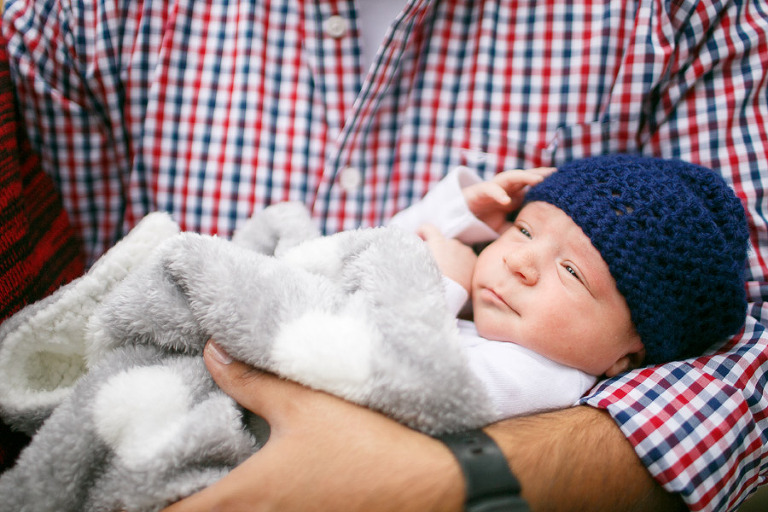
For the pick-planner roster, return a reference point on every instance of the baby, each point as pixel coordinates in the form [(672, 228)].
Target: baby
[(612, 262)]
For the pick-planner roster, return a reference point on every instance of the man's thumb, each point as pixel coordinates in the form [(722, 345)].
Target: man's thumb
[(261, 393)]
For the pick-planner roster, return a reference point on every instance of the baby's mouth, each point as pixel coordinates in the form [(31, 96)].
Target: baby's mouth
[(494, 297)]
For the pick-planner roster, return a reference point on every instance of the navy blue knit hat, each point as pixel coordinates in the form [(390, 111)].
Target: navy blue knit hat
[(674, 236)]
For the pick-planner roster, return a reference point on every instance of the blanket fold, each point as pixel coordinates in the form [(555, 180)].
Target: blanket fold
[(107, 373)]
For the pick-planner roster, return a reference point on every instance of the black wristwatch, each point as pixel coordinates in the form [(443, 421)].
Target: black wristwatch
[(491, 486)]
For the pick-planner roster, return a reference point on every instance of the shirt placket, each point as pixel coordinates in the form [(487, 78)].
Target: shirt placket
[(351, 96), (332, 50)]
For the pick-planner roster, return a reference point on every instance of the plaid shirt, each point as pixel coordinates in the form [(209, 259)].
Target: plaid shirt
[(210, 110)]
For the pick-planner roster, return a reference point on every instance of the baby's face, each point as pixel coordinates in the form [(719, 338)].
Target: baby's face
[(544, 286)]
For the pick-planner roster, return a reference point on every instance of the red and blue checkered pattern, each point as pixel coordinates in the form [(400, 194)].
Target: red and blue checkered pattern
[(210, 110)]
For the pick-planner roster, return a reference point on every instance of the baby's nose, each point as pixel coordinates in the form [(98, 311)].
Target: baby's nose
[(523, 264)]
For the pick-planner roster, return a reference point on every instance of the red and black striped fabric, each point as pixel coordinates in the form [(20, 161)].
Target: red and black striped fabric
[(38, 249)]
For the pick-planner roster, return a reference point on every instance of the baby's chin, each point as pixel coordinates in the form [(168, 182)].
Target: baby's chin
[(490, 333)]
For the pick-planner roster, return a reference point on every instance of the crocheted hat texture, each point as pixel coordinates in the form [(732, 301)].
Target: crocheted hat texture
[(674, 236)]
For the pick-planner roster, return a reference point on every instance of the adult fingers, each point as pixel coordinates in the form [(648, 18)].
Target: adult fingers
[(324, 454), (262, 393)]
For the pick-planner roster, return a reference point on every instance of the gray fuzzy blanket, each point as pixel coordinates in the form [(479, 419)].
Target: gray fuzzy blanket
[(107, 375)]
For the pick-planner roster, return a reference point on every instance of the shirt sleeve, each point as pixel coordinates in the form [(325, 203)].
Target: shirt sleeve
[(709, 408), (455, 294)]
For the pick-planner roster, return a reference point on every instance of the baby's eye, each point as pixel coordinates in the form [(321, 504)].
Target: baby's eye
[(525, 232), (572, 271)]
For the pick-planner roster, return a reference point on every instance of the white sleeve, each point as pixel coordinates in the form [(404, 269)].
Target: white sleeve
[(444, 207), (455, 294)]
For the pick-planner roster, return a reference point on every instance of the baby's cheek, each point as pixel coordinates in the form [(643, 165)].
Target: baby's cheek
[(559, 338), (493, 325)]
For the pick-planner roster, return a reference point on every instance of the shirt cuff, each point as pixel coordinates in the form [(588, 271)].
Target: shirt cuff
[(660, 411), (455, 295)]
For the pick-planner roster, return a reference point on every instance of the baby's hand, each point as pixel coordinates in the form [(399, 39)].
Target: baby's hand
[(454, 259), (491, 201)]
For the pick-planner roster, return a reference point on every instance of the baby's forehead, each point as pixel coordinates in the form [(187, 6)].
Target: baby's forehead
[(550, 217)]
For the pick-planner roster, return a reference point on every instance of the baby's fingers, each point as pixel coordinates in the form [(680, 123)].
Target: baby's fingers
[(429, 232), (493, 192), (515, 180), (542, 171), (484, 195)]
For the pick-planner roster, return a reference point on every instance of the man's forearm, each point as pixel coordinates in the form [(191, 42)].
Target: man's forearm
[(578, 459), (327, 454)]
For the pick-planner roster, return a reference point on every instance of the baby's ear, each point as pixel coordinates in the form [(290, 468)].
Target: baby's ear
[(628, 362)]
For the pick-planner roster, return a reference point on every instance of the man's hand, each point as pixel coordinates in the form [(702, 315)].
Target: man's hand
[(491, 201), (455, 260), (325, 454)]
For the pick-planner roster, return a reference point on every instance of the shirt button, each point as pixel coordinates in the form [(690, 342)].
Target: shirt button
[(350, 179), (336, 26)]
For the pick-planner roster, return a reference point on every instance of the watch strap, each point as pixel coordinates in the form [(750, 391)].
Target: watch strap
[(490, 484)]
